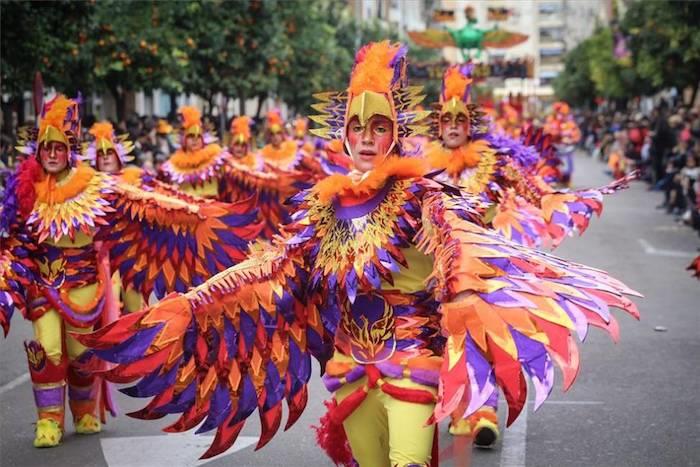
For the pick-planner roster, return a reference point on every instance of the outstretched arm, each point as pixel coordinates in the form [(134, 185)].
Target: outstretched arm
[(509, 311), (242, 341)]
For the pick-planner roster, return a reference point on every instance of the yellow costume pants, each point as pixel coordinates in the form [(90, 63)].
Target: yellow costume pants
[(387, 432), (51, 331)]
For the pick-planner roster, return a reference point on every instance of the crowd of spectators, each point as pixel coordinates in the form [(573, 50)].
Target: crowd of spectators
[(664, 145)]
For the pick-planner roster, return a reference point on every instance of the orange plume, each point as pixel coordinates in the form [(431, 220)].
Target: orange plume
[(373, 69), (455, 84), (241, 126), (56, 114), (190, 116), (102, 130), (274, 117)]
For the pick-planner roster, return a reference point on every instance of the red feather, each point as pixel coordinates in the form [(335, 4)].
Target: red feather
[(28, 173)]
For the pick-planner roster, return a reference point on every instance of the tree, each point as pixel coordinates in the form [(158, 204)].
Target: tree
[(574, 84), (134, 46), (44, 37), (664, 38)]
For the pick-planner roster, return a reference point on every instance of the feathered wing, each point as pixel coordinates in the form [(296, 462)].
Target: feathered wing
[(432, 38), (15, 276), (569, 212), (518, 220), (269, 188), (238, 343), (502, 39), (165, 244), (509, 311)]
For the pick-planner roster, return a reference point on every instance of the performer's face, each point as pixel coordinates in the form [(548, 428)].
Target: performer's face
[(53, 157), (369, 144), (239, 150), (276, 138), (108, 161), (454, 130), (193, 143)]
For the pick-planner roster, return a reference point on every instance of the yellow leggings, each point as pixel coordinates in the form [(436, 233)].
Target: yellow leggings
[(387, 432), (50, 330)]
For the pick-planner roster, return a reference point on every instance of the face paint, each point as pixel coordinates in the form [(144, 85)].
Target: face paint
[(369, 144), (454, 130), (53, 157), (193, 143), (108, 161), (276, 139), (239, 150)]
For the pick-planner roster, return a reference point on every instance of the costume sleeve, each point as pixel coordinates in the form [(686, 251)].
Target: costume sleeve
[(569, 212), (164, 244), (563, 212), (270, 188), (509, 311), (238, 343), (16, 275), (517, 220)]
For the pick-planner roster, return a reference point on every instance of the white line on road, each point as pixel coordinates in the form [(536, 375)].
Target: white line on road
[(21, 379), (651, 250), (570, 402), (515, 442)]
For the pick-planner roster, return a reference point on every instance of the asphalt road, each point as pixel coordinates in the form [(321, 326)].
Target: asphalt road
[(634, 403)]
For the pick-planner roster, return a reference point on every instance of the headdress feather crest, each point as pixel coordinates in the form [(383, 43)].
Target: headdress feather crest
[(379, 66), (191, 121), (457, 82), (240, 129), (190, 117)]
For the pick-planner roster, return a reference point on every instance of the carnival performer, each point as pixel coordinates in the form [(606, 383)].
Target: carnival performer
[(285, 154), (246, 175), (565, 134), (60, 219), (110, 154), (385, 277), (501, 170), (241, 143), (198, 166)]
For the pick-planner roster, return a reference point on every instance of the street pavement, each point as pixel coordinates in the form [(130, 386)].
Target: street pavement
[(634, 403)]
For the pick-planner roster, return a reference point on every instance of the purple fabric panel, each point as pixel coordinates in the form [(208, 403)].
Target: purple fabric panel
[(82, 394), (49, 397)]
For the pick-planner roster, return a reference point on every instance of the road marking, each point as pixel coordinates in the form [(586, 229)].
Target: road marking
[(18, 381), (650, 250), (172, 450), (513, 450), (570, 402)]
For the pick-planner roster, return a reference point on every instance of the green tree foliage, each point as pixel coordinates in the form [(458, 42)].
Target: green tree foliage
[(574, 85), (665, 41), (244, 49)]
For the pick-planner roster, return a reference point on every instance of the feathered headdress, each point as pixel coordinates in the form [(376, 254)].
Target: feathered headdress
[(300, 127), (378, 86), (455, 99), (104, 139), (240, 129), (191, 124), (59, 121), (274, 121)]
